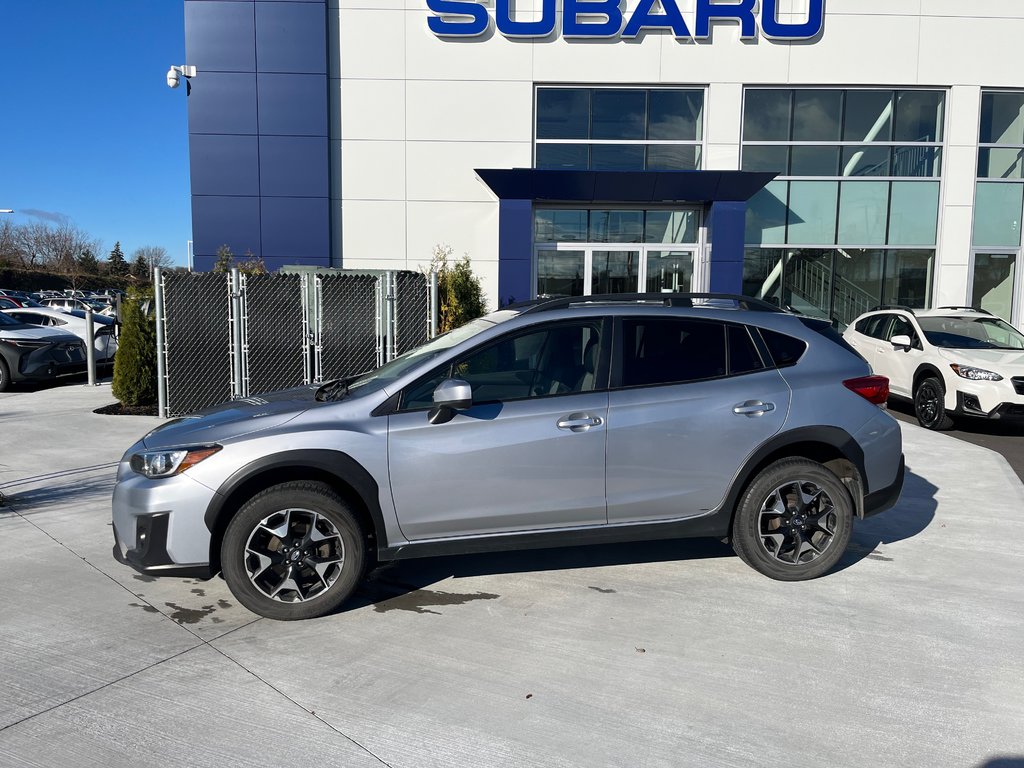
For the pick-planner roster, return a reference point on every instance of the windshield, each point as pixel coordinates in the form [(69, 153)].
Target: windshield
[(6, 319), (398, 367), (971, 333)]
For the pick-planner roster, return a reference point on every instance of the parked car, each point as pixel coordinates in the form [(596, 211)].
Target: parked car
[(10, 302), (952, 361), (104, 341), (69, 302), (28, 352), (554, 423)]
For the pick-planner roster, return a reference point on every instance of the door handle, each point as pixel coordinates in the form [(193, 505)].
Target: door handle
[(579, 422), (753, 408)]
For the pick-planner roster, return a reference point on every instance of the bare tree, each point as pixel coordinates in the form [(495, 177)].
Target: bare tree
[(153, 256)]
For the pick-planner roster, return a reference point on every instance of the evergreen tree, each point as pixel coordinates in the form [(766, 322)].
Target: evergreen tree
[(135, 362), (116, 265), (225, 259), (139, 268), (460, 294), (88, 262)]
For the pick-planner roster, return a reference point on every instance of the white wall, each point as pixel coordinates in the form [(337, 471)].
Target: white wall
[(413, 115)]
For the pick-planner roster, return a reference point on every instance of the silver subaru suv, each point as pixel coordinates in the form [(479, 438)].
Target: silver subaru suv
[(557, 422)]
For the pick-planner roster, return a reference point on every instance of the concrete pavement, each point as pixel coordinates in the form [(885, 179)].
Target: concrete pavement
[(662, 654)]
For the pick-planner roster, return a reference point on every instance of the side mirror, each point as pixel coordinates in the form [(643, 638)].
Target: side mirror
[(450, 396), (901, 341)]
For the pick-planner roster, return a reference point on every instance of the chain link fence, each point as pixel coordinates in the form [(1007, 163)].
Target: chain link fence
[(229, 336)]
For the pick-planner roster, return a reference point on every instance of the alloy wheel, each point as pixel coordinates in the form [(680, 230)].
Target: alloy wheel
[(294, 555), (797, 522)]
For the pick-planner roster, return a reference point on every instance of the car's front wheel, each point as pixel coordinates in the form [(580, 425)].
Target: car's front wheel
[(5, 376), (930, 405), (293, 551), (794, 521)]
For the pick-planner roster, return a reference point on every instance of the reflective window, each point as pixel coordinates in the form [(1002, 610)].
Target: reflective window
[(862, 212), (1002, 118), (994, 275), (868, 116), (920, 116), (619, 128), (817, 115), (767, 115), (560, 273), (909, 276), (913, 213), (812, 212), (557, 225), (560, 226), (766, 214), (997, 215)]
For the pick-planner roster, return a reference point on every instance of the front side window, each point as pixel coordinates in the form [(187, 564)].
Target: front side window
[(553, 360)]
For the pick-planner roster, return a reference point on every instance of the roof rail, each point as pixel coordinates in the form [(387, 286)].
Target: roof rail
[(881, 307), (663, 299), (970, 309)]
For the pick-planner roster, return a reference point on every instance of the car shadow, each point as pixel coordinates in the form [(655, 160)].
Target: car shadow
[(966, 424), (403, 584)]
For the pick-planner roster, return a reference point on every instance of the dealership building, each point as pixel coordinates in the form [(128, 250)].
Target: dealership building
[(831, 155)]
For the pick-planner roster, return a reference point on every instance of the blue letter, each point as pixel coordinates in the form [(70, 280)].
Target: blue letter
[(510, 28), (776, 31), (476, 25), (743, 11), (643, 18), (572, 9)]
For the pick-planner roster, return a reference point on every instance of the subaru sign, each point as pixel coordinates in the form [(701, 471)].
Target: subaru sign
[(604, 19)]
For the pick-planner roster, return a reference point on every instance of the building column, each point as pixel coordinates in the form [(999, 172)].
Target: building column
[(515, 251), (726, 229)]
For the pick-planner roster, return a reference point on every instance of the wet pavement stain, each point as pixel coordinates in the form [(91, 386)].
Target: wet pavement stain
[(189, 615), (223, 603), (142, 577), (200, 592), (146, 608), (421, 600), (603, 591)]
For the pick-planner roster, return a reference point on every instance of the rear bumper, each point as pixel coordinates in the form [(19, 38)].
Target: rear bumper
[(886, 498)]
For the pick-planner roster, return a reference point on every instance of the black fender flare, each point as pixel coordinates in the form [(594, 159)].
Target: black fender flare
[(337, 468), (926, 369)]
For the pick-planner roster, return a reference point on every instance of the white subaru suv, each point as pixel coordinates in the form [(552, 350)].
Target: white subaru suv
[(951, 361)]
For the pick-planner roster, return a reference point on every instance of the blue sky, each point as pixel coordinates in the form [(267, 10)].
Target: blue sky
[(89, 129)]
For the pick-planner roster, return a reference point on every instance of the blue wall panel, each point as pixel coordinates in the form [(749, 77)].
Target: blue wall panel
[(224, 102), (231, 221), (220, 36), (296, 228), (293, 166), (291, 37), (224, 165), (292, 105)]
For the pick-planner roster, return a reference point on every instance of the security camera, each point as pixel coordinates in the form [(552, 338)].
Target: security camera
[(173, 77)]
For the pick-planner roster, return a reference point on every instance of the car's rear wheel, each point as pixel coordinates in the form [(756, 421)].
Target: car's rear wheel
[(794, 521), (5, 376), (930, 405), (293, 551)]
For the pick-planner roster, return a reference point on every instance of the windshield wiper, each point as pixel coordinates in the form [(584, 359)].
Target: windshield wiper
[(333, 390)]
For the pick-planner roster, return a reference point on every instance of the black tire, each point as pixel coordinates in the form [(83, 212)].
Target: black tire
[(930, 405), (794, 521), (5, 376), (294, 551)]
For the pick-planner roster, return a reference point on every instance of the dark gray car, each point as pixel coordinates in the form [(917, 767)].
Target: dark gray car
[(566, 421)]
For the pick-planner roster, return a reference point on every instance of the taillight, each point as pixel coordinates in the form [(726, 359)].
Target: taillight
[(874, 389)]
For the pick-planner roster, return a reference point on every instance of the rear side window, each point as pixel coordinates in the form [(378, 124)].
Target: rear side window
[(743, 356), (671, 351), (825, 329), (785, 350)]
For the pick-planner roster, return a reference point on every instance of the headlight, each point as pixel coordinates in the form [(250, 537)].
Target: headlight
[(154, 464), (975, 374)]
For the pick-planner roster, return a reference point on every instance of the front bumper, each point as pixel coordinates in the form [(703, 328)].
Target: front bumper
[(968, 404), (149, 555)]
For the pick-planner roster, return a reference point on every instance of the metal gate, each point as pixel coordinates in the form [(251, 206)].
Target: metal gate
[(221, 336)]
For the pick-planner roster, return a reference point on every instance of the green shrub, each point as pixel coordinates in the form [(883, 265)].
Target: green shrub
[(135, 363), (460, 294)]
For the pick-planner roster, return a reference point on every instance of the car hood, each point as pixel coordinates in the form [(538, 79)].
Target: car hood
[(234, 419), (35, 333), (1002, 361)]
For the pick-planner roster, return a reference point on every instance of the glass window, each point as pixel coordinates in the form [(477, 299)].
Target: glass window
[(817, 115), (564, 156), (808, 280), (670, 227), (812, 212), (919, 116), (617, 157), (762, 274), (997, 214), (917, 162), (857, 287), (619, 114), (766, 115), (766, 215), (743, 356), (866, 161), (814, 161), (669, 271), (616, 226), (615, 272), (770, 158), (671, 351), (673, 157), (560, 273), (675, 115), (997, 163), (1002, 118), (908, 278), (785, 350), (560, 226), (994, 275), (862, 212), (914, 213), (563, 113), (868, 116)]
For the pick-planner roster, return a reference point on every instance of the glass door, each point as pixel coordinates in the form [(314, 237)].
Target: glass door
[(669, 272), (994, 284), (614, 271), (574, 269)]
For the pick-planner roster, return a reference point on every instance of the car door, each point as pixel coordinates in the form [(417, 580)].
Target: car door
[(691, 399), (872, 341), (902, 363), (529, 454)]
